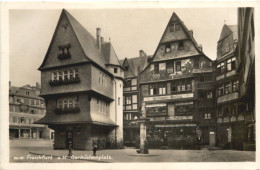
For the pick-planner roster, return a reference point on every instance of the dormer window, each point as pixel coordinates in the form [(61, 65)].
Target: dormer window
[(168, 48), (64, 52)]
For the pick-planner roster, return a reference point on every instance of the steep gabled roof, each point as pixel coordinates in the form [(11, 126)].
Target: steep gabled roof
[(227, 30), (109, 54), (186, 31), (20, 91), (86, 40), (133, 65)]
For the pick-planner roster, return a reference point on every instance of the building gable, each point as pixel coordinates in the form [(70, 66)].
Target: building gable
[(177, 42), (64, 37), (227, 41)]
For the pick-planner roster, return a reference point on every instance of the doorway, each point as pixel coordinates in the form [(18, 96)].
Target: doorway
[(69, 139)]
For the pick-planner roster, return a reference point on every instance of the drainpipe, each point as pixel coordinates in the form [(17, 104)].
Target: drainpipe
[(115, 110)]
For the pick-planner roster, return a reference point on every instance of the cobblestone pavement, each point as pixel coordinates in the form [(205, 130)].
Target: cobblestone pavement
[(42, 151)]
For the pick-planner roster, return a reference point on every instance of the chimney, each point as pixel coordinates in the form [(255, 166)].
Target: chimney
[(142, 53), (102, 40), (191, 32), (99, 38), (10, 83), (200, 47), (38, 86)]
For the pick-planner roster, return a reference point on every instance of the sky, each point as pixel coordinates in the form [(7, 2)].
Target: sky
[(130, 30)]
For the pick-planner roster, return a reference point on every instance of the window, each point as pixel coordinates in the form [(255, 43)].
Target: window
[(32, 102), (54, 76), (171, 28), (221, 67), (156, 68), (162, 89), (22, 120), (233, 63), (183, 109), (220, 113), (229, 68), (71, 74), (118, 100), (128, 100), (37, 102), (64, 52), (152, 90), (220, 90), (226, 111), (228, 88), (14, 119), (207, 116), (209, 95), (168, 48), (27, 93), (134, 101), (76, 73), (235, 85), (115, 70), (70, 103), (177, 27), (60, 75), (184, 85), (174, 27), (181, 47), (65, 103), (188, 86), (65, 75), (173, 87), (169, 66), (178, 66)]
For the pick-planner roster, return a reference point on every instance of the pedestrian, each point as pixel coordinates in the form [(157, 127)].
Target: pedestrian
[(94, 148)]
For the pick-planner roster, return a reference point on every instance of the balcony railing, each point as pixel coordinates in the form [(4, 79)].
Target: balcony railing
[(67, 110), (65, 81)]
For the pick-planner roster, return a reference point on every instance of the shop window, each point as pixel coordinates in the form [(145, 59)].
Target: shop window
[(183, 109)]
